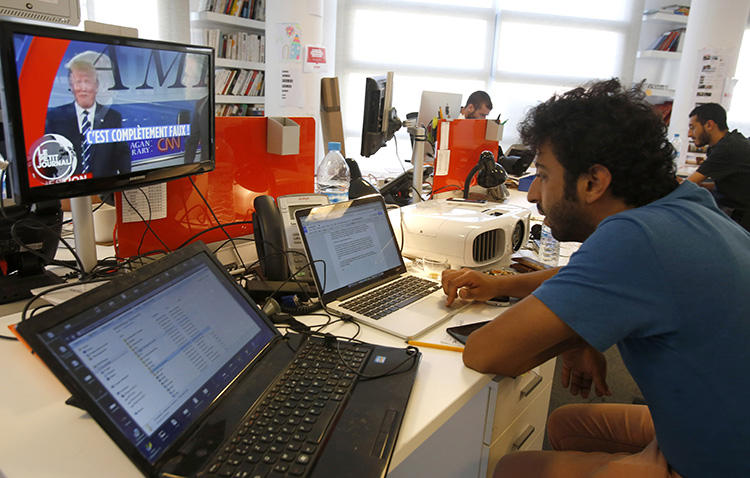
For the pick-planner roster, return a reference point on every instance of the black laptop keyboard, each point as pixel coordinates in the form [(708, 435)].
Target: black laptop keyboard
[(285, 433), (395, 295)]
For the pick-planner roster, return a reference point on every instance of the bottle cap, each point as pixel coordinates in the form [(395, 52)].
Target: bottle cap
[(334, 146)]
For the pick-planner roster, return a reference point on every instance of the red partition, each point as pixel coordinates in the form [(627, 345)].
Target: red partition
[(466, 140), (244, 170)]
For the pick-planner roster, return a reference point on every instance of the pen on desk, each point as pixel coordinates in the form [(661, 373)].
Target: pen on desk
[(435, 346)]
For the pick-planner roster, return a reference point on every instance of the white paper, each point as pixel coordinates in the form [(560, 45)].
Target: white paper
[(292, 89), (445, 129), (288, 39), (442, 162), (150, 201)]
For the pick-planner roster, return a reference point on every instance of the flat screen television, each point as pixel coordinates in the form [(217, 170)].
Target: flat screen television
[(86, 113)]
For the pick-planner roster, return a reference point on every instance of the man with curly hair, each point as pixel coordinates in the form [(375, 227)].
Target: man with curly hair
[(662, 273)]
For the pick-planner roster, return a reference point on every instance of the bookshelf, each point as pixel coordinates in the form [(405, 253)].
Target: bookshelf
[(239, 44), (662, 32)]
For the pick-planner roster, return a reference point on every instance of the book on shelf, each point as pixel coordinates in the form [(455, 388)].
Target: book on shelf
[(252, 9), (239, 81), (668, 41), (240, 110), (673, 9), (243, 46)]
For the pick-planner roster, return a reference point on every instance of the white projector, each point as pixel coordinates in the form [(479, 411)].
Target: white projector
[(464, 233)]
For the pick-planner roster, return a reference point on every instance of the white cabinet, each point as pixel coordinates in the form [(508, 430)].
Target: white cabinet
[(655, 62), (509, 414), (239, 44)]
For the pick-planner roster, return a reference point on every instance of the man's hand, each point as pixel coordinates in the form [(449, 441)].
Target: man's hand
[(580, 367), (468, 284)]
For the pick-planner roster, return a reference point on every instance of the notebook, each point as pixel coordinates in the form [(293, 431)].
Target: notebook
[(174, 361), (354, 252)]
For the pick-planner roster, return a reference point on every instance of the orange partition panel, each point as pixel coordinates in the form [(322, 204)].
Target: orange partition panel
[(244, 170), (466, 141)]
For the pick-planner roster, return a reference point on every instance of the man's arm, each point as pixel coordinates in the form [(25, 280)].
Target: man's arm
[(697, 177), (473, 285), (524, 336)]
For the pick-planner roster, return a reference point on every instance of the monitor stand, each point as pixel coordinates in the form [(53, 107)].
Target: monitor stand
[(417, 159), (83, 230)]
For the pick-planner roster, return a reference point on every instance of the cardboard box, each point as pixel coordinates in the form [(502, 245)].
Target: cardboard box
[(283, 136), (494, 131), (330, 113)]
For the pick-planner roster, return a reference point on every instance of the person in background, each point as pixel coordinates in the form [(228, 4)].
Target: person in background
[(478, 106), (727, 161), (662, 273)]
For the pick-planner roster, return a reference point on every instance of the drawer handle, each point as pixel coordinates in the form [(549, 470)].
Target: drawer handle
[(523, 437), (531, 385)]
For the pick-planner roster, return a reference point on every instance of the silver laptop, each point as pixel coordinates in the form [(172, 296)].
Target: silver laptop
[(359, 271)]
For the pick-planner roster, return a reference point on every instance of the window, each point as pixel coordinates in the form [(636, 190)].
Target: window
[(519, 51), (738, 115)]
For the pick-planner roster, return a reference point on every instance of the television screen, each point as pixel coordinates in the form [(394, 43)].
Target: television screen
[(87, 113)]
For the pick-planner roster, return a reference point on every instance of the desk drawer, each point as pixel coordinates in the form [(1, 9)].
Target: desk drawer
[(525, 433), (514, 395)]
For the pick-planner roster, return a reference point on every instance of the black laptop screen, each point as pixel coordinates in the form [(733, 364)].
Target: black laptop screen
[(154, 357)]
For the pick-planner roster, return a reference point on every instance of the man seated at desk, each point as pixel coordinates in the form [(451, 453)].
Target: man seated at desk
[(662, 273), (478, 106), (727, 161)]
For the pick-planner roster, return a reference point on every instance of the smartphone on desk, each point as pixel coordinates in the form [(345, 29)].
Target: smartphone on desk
[(461, 332)]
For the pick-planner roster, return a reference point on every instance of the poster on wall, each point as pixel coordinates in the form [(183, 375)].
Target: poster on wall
[(712, 76), (288, 40), (316, 59), (292, 87)]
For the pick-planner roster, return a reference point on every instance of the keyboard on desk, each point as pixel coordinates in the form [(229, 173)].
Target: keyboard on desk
[(286, 431), (395, 295)]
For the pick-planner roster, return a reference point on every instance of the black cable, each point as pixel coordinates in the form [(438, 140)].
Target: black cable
[(55, 288), (195, 236), (148, 223), (5, 337), (28, 222), (190, 178)]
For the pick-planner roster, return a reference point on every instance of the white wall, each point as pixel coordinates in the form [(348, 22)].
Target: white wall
[(315, 30)]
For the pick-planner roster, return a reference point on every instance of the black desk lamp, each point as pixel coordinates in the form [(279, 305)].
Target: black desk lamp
[(491, 174)]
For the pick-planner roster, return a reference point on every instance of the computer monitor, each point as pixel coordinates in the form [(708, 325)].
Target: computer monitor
[(85, 113), (379, 121), (433, 102)]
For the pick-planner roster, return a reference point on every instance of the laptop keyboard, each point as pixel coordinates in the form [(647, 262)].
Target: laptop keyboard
[(285, 433), (395, 295)]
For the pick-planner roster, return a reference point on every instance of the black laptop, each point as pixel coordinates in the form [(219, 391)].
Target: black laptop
[(190, 378)]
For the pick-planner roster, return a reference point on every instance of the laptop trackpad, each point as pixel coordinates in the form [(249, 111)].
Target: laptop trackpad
[(430, 306)]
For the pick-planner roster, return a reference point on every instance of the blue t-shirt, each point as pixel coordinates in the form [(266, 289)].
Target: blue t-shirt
[(669, 283)]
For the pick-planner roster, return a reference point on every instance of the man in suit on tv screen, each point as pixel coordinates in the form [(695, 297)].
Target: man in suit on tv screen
[(74, 120)]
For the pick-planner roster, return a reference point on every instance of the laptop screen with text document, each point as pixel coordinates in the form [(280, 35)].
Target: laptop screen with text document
[(352, 248)]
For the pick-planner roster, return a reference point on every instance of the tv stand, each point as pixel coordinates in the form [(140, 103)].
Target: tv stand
[(83, 230)]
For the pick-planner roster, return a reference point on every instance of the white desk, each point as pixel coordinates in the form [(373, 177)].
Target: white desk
[(452, 409)]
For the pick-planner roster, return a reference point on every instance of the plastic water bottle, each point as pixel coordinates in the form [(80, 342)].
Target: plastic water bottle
[(333, 175), (549, 247), (677, 145)]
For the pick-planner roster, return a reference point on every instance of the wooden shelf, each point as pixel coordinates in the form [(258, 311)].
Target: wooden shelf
[(240, 99), (219, 20), (660, 55), (247, 65)]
